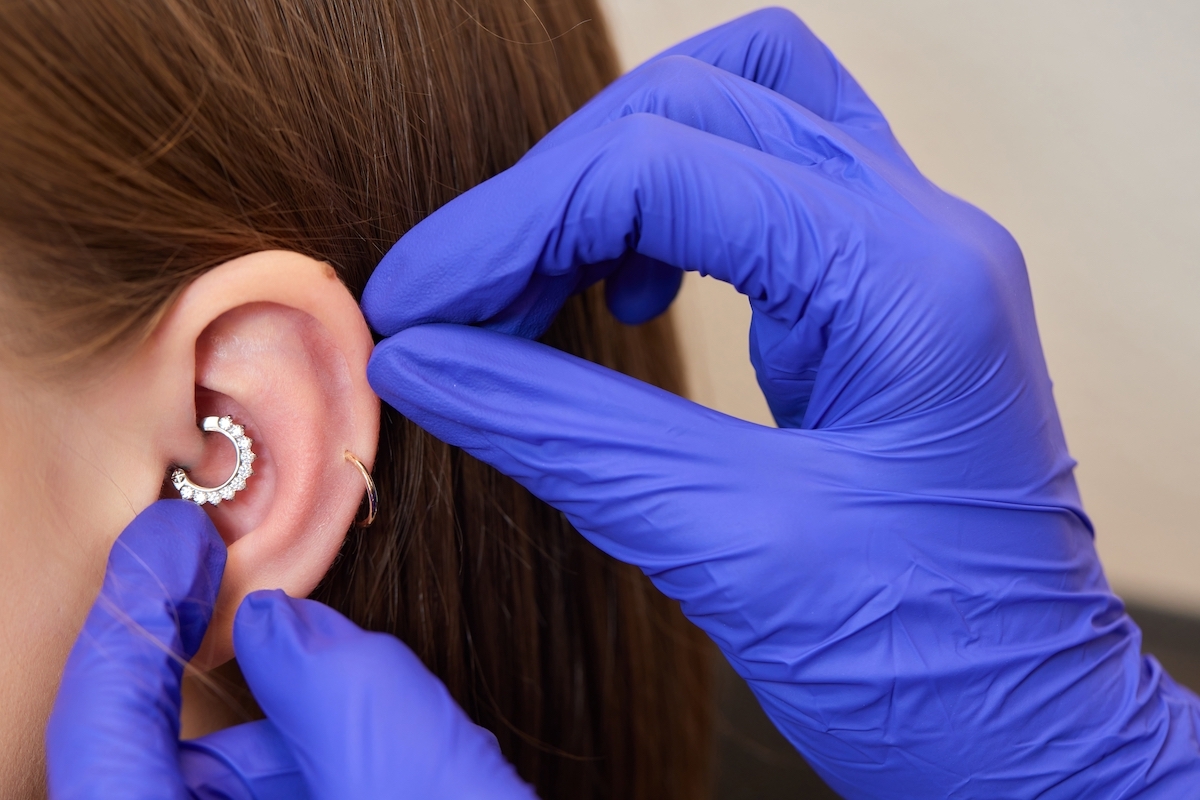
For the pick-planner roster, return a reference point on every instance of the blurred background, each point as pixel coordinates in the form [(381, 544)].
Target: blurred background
[(1073, 123)]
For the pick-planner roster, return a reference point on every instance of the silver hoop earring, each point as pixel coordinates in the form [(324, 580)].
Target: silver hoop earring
[(241, 470)]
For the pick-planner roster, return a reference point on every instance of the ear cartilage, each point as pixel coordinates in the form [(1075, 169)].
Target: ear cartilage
[(242, 445)]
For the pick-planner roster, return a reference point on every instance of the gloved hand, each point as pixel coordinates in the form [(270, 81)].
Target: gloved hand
[(903, 573), (350, 714)]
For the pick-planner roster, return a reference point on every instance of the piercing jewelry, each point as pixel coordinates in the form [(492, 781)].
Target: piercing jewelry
[(241, 471), (372, 495)]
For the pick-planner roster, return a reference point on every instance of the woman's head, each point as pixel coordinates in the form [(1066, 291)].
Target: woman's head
[(192, 195)]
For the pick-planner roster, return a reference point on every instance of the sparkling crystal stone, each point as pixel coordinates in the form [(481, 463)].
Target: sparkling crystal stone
[(227, 491)]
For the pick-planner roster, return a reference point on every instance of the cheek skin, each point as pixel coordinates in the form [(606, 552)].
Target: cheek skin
[(64, 497), (39, 596)]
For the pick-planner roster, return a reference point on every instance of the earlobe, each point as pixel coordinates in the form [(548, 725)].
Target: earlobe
[(277, 344)]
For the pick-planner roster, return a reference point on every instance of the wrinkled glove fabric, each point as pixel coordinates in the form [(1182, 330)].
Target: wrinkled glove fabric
[(350, 714), (902, 571)]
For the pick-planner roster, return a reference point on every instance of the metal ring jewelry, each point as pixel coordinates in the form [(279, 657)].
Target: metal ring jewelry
[(372, 494), (242, 445)]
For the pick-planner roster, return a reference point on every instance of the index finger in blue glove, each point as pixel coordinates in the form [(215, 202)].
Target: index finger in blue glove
[(360, 712), (114, 729), (712, 100), (641, 183), (772, 48), (637, 287), (688, 91)]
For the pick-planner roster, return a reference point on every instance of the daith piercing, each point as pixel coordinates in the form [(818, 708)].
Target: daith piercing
[(242, 470)]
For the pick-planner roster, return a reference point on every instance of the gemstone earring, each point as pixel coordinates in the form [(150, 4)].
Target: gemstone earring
[(241, 470)]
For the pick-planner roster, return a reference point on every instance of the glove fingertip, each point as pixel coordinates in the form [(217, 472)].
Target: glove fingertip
[(258, 619), (641, 289), (170, 552), (394, 369), (429, 374), (174, 538), (378, 298)]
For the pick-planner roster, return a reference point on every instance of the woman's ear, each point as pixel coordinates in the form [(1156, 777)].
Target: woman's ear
[(275, 341)]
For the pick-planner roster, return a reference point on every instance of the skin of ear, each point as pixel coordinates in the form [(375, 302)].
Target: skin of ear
[(277, 342), (273, 339)]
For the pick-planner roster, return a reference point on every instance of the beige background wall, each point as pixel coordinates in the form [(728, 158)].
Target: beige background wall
[(1076, 124)]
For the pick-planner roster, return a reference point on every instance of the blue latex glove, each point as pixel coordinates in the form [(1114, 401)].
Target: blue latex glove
[(904, 573), (350, 714)]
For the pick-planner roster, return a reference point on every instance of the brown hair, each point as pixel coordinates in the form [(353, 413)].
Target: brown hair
[(146, 141)]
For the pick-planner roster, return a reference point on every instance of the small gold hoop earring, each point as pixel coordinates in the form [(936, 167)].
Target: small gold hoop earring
[(372, 495)]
